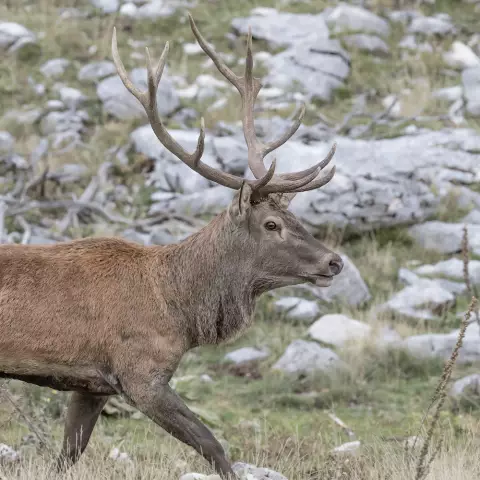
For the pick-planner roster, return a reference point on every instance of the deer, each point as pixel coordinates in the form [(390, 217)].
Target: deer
[(105, 316)]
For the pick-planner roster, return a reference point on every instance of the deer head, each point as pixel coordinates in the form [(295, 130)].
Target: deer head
[(281, 250)]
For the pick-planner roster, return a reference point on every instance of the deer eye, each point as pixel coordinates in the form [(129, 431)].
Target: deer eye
[(271, 226)]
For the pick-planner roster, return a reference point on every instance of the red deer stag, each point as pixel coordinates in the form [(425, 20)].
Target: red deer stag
[(104, 316)]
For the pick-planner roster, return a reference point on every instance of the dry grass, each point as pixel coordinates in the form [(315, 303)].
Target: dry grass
[(379, 460)]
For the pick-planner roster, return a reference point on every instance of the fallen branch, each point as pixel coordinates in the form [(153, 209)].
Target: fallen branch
[(342, 425), (30, 424), (77, 204)]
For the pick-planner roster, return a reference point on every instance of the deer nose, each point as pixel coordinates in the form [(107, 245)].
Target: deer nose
[(335, 264)]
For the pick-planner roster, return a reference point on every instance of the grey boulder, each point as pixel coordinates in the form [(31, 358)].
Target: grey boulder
[(348, 18), (444, 237), (303, 357), (120, 103)]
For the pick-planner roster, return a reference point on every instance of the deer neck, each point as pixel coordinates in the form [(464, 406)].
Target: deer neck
[(215, 281)]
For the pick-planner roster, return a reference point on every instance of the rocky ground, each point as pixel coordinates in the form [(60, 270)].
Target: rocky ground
[(396, 84)]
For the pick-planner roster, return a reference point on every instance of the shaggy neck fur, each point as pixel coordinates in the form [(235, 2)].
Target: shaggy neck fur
[(214, 276)]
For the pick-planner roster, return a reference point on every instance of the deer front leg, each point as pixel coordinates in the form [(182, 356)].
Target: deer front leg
[(82, 414), (161, 404)]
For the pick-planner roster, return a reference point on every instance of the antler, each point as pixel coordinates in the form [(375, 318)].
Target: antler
[(248, 86)]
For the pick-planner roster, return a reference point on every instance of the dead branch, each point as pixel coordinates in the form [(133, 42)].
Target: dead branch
[(66, 204), (30, 424), (342, 425)]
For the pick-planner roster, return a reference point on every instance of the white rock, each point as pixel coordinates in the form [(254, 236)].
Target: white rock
[(424, 293), (337, 330), (246, 354), (466, 385), (282, 29), (351, 18), (71, 97), (451, 94), (431, 26), (128, 9), (296, 308), (461, 56), (316, 67), (6, 142), (12, 33), (367, 43), (441, 345), (472, 217), (349, 448), (452, 268), (387, 337), (387, 102), (251, 472), (8, 454), (306, 357), (23, 117), (471, 87), (117, 455), (444, 237), (55, 67), (96, 71), (107, 6), (192, 48), (156, 9), (120, 103)]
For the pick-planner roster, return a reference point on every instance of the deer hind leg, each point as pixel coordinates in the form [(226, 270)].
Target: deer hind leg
[(161, 404), (82, 414)]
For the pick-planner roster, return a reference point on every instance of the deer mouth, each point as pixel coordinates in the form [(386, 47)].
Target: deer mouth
[(319, 279)]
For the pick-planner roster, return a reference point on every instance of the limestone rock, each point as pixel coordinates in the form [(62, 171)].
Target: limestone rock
[(281, 29), (251, 472), (55, 67), (367, 43), (431, 26), (352, 18), (444, 237), (338, 329), (471, 89), (120, 103), (96, 71), (246, 354), (296, 308), (306, 357)]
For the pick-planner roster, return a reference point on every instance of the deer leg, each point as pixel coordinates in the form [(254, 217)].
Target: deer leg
[(82, 414), (161, 404)]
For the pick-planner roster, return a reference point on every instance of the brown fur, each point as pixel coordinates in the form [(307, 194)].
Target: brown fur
[(104, 316)]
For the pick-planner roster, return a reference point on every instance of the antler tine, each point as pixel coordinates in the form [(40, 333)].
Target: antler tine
[(219, 63), (248, 86), (318, 182), (148, 100), (289, 185), (322, 164), (122, 73), (298, 118)]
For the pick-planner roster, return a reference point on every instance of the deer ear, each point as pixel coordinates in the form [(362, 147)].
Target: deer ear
[(240, 205), (284, 199)]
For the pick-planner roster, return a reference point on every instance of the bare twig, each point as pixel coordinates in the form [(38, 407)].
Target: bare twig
[(86, 196), (3, 210), (27, 229), (53, 204), (376, 118), (38, 180), (341, 424), (31, 425)]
